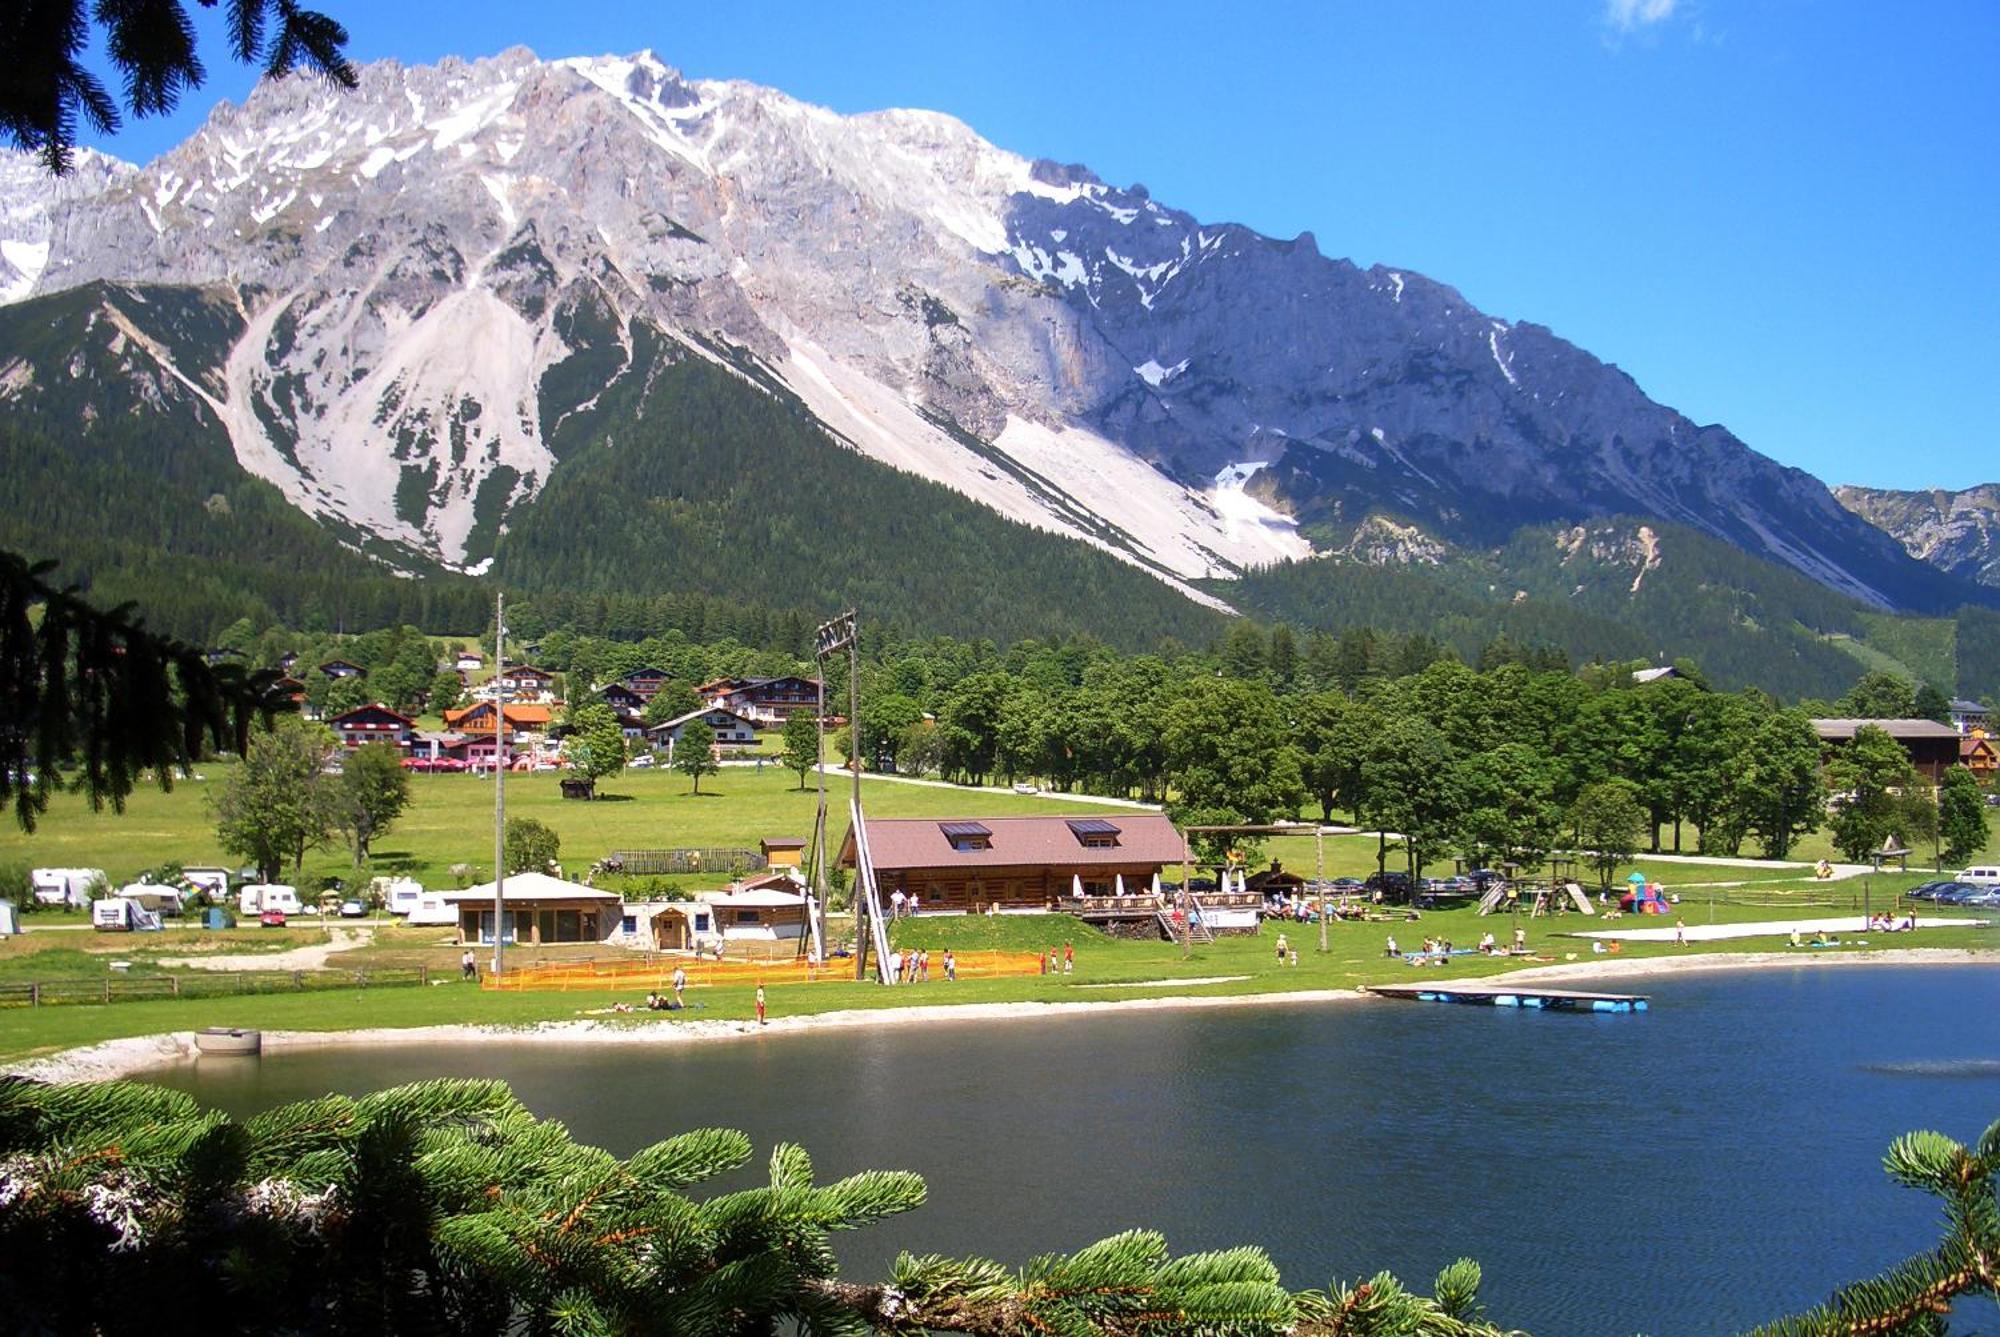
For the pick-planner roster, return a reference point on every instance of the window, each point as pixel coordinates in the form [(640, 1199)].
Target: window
[(1094, 833), (967, 836), (746, 916)]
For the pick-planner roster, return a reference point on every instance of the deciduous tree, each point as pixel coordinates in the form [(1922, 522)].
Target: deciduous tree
[(531, 847), (368, 795), (595, 746), (1610, 819), (801, 744), (1962, 816), (275, 806), (694, 752)]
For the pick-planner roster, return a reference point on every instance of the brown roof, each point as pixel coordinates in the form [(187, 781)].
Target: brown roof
[(1841, 730), (915, 842), (519, 716)]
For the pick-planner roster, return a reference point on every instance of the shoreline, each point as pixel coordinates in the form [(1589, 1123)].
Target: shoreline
[(132, 1056)]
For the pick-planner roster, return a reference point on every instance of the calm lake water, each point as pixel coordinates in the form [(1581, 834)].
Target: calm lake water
[(1695, 1169)]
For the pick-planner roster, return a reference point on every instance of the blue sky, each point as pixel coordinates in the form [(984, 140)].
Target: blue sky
[(1779, 215)]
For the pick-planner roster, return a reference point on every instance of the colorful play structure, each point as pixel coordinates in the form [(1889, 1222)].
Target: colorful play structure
[(1643, 897)]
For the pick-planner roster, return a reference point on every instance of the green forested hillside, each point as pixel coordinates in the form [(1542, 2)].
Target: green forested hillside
[(1632, 588), (710, 485)]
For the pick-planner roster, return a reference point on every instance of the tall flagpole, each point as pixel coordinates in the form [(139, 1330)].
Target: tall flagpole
[(499, 784)]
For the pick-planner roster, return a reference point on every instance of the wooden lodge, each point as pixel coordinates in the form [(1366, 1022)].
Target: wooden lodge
[(645, 683), (1980, 755), (373, 724), (336, 669), (540, 910), (1933, 748), (478, 718), (767, 701), (1019, 862)]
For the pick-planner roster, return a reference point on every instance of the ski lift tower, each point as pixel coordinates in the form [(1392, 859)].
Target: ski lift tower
[(842, 633)]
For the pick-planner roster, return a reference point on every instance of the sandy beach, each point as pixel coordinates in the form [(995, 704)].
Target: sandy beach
[(137, 1055)]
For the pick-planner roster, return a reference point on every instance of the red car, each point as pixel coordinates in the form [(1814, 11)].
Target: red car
[(272, 919)]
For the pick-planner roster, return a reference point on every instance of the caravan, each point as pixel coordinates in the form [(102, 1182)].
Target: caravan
[(66, 886), (257, 897), (399, 894), (161, 901), (211, 882), (433, 909), (118, 914)]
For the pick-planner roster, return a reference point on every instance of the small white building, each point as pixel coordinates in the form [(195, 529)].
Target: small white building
[(540, 910), (731, 728)]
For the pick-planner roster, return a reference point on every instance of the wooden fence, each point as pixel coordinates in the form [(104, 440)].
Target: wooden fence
[(204, 984), (684, 861)]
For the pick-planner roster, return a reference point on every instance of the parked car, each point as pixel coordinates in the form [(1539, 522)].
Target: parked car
[(353, 910), (641, 762), (272, 919), (1955, 894), (1984, 898), (1928, 890)]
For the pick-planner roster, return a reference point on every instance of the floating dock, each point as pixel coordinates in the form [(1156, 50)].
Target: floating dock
[(1513, 995)]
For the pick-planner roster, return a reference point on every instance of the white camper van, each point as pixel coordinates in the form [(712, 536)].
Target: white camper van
[(256, 897), (399, 894), (66, 886), (119, 914), (433, 909), (1983, 875)]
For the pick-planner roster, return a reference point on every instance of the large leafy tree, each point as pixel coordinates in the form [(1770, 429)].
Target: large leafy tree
[(1610, 818), (1230, 756), (1867, 775), (368, 795), (1506, 806), (1779, 793), (801, 745), (596, 744), (151, 45), (694, 752), (1961, 816), (277, 805), (1408, 787), (530, 846)]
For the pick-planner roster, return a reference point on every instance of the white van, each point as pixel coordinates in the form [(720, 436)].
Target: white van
[(1986, 875), (66, 886), (257, 897)]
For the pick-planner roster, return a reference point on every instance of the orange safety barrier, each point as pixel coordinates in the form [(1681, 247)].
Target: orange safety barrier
[(657, 973)]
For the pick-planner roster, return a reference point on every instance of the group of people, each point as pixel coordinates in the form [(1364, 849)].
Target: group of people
[(914, 966), (658, 1002), (1437, 951), (1886, 922), (1059, 962), (1288, 955), (901, 904)]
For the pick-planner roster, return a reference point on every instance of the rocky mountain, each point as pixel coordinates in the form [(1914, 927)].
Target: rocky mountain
[(429, 301), (1957, 532)]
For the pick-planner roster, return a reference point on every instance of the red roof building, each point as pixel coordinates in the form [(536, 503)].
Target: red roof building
[(1017, 861), (373, 724)]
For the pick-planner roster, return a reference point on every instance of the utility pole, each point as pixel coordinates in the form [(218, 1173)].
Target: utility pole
[(1319, 876), (819, 821), (499, 785), (861, 908)]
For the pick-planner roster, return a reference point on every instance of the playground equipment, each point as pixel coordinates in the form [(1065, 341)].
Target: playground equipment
[(1644, 898)]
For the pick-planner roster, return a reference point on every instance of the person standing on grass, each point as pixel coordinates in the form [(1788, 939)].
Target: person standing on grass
[(1520, 938), (1069, 957), (950, 967), (760, 1005), (468, 968), (1680, 933), (680, 988), (1282, 947)]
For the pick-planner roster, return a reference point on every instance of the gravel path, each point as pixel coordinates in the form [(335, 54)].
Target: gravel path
[(340, 939)]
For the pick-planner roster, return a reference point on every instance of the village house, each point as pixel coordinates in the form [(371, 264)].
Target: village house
[(477, 718), (337, 669), (626, 704), (764, 916), (1966, 716), (1932, 747), (969, 865), (768, 701), (731, 727), (468, 661), (646, 682), (1641, 677), (540, 910), (373, 724), (1980, 755), (526, 681)]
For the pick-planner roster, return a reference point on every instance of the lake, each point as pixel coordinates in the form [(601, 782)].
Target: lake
[(1696, 1168)]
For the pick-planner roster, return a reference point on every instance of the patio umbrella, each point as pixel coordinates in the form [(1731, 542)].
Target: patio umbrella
[(1120, 880), (1076, 884)]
